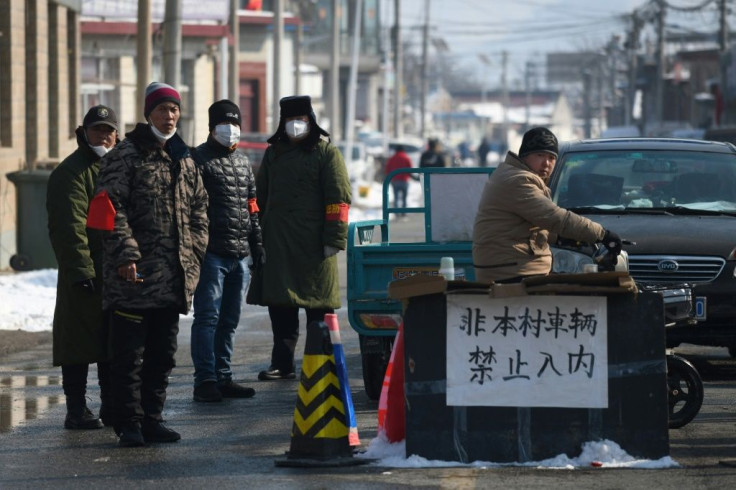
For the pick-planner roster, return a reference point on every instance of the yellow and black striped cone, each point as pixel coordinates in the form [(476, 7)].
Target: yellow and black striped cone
[(319, 436)]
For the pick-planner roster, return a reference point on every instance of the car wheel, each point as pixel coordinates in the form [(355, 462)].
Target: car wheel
[(374, 370), (685, 391)]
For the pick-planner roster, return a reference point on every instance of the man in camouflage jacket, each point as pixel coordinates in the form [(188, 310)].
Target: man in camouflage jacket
[(152, 257)]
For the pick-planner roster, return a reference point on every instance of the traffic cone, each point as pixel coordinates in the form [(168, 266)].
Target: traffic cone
[(319, 435), (342, 376), (391, 416)]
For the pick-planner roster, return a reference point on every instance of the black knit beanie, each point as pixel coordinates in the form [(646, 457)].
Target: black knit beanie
[(224, 111), (538, 139)]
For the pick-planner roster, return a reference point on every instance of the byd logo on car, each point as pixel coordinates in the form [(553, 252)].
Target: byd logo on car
[(668, 266)]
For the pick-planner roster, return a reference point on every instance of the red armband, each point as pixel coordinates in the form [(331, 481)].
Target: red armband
[(253, 206), (101, 215), (337, 212)]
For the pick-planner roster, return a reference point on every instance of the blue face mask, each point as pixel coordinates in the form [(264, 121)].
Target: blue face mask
[(227, 134)]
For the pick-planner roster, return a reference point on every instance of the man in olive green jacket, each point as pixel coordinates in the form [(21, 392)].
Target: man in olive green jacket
[(304, 195), (516, 216), (79, 331)]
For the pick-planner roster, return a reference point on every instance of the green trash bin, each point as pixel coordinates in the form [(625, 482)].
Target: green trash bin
[(32, 235)]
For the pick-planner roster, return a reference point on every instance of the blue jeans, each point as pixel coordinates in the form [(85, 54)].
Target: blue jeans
[(400, 189), (218, 301)]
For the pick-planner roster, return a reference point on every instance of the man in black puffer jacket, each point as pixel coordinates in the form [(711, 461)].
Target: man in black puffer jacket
[(234, 241)]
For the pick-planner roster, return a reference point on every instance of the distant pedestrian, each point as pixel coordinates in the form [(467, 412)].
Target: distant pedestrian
[(304, 195), (433, 155), (400, 182), (234, 239), (79, 327), (483, 149), (152, 257)]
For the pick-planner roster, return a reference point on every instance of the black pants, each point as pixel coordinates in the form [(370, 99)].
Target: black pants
[(285, 327), (143, 347), (74, 380)]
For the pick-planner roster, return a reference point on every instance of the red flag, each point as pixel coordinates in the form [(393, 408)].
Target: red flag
[(101, 215)]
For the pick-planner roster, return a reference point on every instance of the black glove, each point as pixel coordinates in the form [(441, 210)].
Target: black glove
[(258, 254), (612, 242), (87, 285)]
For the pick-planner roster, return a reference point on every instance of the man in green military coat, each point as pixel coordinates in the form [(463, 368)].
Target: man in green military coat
[(79, 331), (303, 195)]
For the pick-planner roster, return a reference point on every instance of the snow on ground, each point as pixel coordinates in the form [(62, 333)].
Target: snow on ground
[(599, 454)]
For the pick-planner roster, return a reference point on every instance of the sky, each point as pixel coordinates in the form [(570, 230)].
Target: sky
[(28, 304), (528, 29)]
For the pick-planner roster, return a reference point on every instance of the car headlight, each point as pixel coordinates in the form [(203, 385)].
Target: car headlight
[(566, 261)]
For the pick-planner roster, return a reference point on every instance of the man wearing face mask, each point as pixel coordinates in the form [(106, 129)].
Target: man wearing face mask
[(234, 241), (151, 199), (79, 330), (304, 195)]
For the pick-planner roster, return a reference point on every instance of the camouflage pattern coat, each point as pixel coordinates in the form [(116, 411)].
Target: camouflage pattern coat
[(160, 222), (78, 328)]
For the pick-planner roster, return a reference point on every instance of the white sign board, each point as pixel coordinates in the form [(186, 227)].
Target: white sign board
[(454, 205), (527, 351)]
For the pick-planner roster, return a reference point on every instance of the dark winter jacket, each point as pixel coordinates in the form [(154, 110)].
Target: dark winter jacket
[(304, 196), (233, 211), (160, 222), (78, 333)]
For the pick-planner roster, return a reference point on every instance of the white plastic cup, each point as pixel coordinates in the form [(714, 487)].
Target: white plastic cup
[(447, 268), (590, 268)]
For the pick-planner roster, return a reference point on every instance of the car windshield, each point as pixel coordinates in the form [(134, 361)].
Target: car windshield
[(616, 180)]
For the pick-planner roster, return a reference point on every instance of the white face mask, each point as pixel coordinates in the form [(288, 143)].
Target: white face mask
[(163, 138), (297, 129), (227, 134), (100, 150)]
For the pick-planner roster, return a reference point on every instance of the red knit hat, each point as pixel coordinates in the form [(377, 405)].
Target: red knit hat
[(158, 92)]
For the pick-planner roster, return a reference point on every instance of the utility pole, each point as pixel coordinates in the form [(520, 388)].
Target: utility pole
[(505, 94), (723, 49), (172, 43), (353, 83), (278, 37), (398, 72), (334, 86), (234, 53), (528, 90), (633, 67), (425, 80), (298, 56), (143, 53), (586, 102), (659, 94)]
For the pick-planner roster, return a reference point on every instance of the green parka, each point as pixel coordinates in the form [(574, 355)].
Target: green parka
[(303, 196), (79, 335)]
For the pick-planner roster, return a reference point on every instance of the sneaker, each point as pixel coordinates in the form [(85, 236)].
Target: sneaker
[(156, 431), (82, 419), (231, 389), (130, 435), (273, 373), (207, 392)]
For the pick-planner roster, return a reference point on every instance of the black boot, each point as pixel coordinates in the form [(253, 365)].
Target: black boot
[(79, 417)]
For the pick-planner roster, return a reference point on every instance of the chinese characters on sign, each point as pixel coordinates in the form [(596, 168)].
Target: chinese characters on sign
[(527, 351)]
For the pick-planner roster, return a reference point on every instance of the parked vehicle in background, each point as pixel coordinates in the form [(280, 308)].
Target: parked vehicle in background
[(254, 146), (721, 134), (675, 199), (361, 166)]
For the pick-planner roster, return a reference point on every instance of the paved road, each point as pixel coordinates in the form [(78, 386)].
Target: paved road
[(234, 444)]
